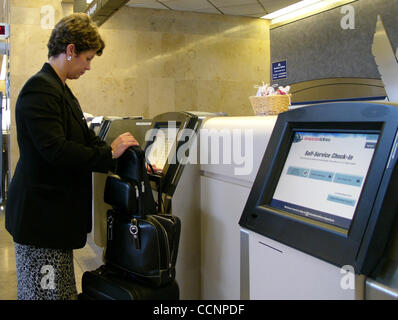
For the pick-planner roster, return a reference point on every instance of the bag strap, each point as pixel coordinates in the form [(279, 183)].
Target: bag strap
[(143, 187), (158, 185)]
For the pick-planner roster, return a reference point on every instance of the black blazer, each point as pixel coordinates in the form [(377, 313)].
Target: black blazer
[(49, 198)]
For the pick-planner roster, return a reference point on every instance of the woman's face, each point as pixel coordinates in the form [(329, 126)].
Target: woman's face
[(80, 63)]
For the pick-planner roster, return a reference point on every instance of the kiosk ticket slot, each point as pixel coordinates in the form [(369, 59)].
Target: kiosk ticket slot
[(324, 188)]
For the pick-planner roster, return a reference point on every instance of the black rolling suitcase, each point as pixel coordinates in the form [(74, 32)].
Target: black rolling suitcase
[(106, 284)]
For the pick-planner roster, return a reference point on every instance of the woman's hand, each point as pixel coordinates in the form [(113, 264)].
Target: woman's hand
[(121, 143), (155, 169)]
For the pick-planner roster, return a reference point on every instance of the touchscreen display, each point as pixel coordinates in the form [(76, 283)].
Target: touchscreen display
[(162, 146), (323, 175)]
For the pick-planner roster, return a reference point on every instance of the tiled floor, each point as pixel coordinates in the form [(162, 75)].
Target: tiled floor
[(87, 258)]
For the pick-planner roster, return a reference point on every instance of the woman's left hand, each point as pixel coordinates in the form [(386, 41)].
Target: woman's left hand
[(122, 142)]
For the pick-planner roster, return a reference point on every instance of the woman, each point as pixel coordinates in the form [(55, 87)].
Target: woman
[(48, 209)]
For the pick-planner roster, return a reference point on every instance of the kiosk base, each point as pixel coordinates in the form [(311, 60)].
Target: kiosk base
[(276, 271)]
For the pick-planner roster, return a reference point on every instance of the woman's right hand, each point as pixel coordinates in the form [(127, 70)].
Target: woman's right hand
[(121, 143)]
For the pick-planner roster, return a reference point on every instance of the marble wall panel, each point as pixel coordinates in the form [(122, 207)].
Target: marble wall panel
[(165, 49), (154, 61), (29, 34)]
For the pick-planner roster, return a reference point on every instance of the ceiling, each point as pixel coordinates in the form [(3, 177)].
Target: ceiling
[(249, 8)]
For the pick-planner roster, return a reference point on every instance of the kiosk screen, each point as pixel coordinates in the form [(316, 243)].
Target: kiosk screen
[(164, 142), (323, 175)]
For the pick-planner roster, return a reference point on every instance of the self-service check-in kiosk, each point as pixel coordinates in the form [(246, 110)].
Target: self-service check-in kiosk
[(321, 219), (173, 147)]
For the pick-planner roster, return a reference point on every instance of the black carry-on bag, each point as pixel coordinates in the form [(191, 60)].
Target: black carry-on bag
[(134, 185), (146, 248), (141, 242)]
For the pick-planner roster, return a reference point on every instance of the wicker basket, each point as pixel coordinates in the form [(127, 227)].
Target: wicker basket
[(270, 105)]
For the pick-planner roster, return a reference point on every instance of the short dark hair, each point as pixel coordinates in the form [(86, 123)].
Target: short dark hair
[(79, 29)]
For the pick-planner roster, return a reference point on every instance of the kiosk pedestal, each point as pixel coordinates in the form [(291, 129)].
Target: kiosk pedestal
[(276, 271)]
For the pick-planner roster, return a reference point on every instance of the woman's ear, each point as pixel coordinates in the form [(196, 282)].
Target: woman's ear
[(70, 50)]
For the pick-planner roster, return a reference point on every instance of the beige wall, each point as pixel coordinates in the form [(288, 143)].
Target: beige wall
[(28, 50), (154, 61)]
